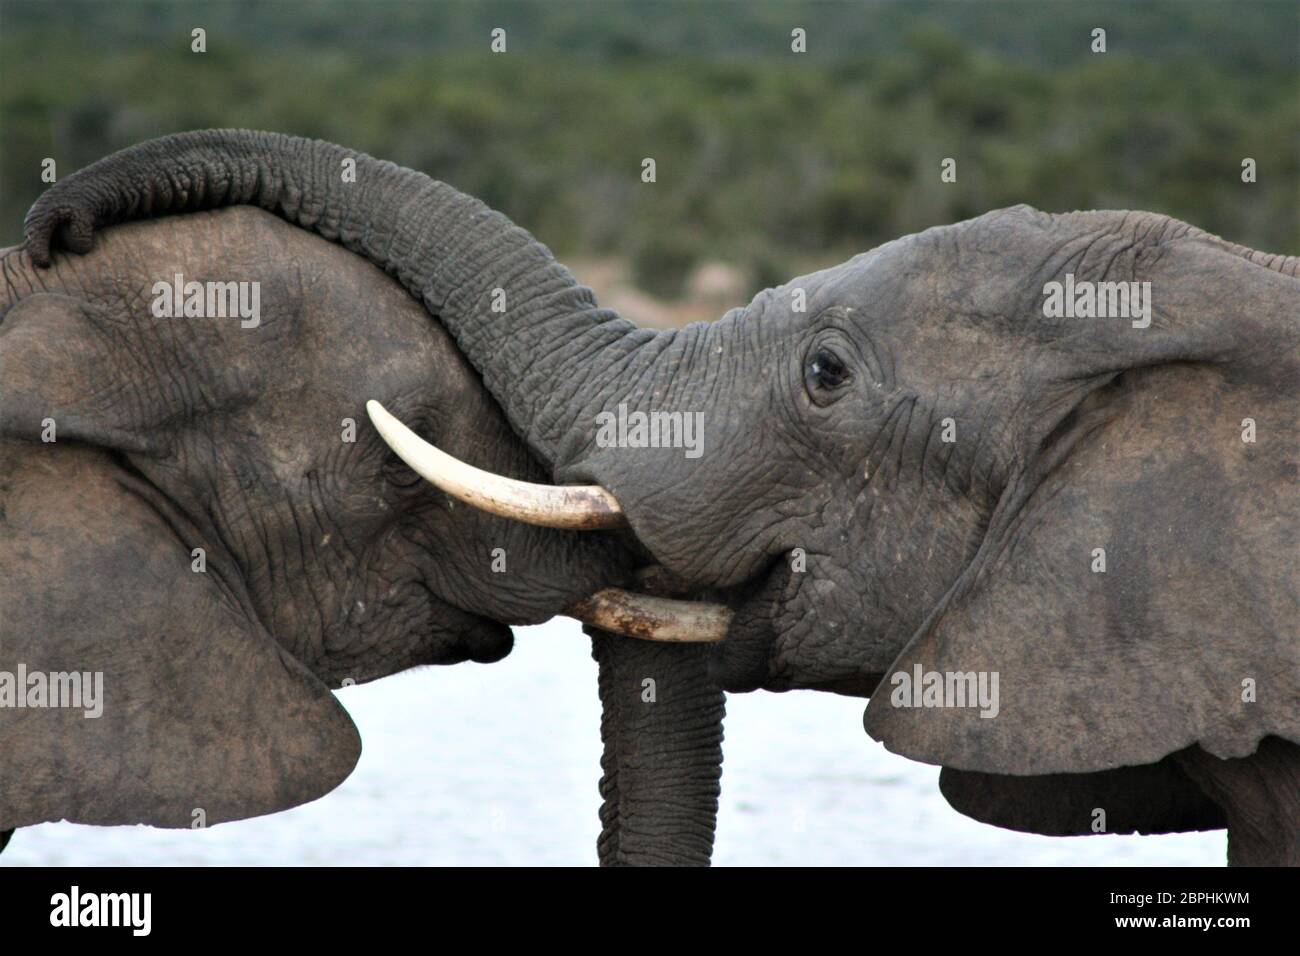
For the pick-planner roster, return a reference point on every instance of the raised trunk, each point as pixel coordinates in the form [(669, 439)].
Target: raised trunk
[(662, 731), (531, 330)]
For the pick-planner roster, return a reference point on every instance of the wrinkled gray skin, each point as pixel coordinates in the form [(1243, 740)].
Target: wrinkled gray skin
[(853, 541), (326, 560)]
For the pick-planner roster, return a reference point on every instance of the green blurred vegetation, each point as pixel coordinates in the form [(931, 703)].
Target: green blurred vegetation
[(765, 158)]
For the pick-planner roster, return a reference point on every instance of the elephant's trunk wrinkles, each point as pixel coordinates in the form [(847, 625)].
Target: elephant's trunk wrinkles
[(662, 764), (518, 315)]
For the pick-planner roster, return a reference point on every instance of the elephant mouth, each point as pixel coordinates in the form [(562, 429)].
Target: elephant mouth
[(639, 614)]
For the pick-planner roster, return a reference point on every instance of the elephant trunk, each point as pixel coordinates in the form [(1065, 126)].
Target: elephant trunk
[(662, 764), (519, 316)]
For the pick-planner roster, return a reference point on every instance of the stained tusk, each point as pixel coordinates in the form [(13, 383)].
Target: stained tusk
[(579, 507), (653, 618)]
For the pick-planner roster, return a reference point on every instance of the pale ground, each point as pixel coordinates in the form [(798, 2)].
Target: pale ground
[(474, 765)]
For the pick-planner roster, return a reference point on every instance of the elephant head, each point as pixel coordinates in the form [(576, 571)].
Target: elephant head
[(195, 513), (1057, 451)]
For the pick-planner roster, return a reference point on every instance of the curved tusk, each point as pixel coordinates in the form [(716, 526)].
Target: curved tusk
[(653, 618), (579, 507)]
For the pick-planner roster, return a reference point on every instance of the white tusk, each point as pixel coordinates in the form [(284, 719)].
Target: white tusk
[(653, 618), (580, 507)]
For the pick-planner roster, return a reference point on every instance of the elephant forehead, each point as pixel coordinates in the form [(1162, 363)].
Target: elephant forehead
[(881, 271)]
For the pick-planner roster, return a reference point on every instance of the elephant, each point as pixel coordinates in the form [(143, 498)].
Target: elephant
[(210, 532), (1026, 482)]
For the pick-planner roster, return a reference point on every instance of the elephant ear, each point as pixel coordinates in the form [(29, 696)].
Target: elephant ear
[(1186, 633), (1152, 798), (175, 707)]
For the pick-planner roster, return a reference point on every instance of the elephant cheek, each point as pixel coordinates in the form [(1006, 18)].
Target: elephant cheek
[(800, 630), (742, 662)]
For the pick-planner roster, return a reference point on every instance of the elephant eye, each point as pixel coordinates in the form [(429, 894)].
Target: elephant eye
[(826, 371)]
